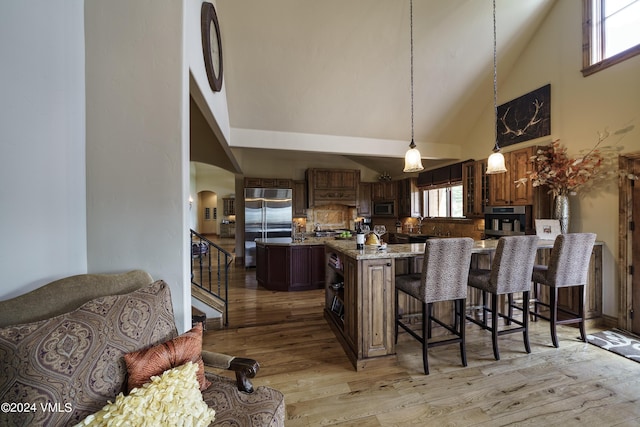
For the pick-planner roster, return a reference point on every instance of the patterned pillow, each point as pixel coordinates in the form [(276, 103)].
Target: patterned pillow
[(68, 366), (144, 364), (170, 399)]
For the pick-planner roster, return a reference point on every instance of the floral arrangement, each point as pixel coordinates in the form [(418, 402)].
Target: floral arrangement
[(564, 174)]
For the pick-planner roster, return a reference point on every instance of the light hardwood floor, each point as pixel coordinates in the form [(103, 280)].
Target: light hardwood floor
[(575, 385)]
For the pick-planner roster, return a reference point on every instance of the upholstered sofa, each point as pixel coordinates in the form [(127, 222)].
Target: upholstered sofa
[(62, 348)]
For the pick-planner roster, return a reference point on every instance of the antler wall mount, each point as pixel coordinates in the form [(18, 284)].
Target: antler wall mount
[(524, 118)]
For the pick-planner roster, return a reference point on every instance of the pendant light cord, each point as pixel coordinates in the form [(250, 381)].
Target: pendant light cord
[(411, 35), (412, 158), (495, 78)]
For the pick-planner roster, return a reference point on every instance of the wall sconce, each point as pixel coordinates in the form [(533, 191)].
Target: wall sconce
[(190, 202)]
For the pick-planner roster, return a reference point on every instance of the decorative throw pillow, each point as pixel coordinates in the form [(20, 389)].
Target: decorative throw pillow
[(173, 398), (73, 363), (145, 363)]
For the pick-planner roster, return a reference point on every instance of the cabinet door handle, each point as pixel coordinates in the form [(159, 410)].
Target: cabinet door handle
[(388, 264)]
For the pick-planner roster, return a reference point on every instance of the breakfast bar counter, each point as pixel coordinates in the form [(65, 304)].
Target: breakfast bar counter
[(409, 250), (360, 292)]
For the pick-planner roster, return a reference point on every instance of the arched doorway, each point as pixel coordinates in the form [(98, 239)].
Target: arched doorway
[(208, 212)]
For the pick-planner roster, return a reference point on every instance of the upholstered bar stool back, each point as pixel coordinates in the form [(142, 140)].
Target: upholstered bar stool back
[(445, 270), (568, 266), (510, 273)]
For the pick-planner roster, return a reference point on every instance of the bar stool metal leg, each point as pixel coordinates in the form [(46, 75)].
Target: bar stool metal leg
[(494, 325), (461, 324), (525, 321), (426, 329), (553, 317)]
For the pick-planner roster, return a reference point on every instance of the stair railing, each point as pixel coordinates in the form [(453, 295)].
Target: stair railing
[(203, 251)]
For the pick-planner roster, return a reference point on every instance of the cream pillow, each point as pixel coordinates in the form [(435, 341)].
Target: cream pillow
[(171, 399)]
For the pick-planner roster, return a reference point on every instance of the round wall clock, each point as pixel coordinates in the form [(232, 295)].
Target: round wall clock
[(211, 46)]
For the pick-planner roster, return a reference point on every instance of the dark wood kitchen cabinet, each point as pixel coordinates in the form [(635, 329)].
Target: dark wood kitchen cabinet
[(229, 206), (267, 183), (503, 191), (299, 198), (409, 198), (336, 178), (384, 190), (272, 266), (332, 186), (307, 267), (290, 267), (475, 188), (364, 199)]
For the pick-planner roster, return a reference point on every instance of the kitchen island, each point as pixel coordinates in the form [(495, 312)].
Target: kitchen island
[(285, 265), (360, 292)]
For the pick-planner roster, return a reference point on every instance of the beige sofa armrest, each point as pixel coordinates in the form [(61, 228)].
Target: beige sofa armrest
[(244, 368)]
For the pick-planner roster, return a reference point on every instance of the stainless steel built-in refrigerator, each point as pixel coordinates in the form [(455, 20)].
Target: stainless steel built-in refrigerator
[(267, 213)]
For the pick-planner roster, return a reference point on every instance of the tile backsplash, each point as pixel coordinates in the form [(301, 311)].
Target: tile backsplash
[(473, 228), (336, 217), (331, 217)]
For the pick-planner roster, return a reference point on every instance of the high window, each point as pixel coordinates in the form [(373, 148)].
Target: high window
[(611, 33), (443, 201)]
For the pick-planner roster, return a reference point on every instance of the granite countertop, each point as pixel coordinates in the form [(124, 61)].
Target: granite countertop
[(288, 241), (408, 250), (403, 250)]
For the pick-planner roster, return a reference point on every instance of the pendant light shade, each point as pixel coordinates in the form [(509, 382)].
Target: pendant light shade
[(412, 159), (495, 162)]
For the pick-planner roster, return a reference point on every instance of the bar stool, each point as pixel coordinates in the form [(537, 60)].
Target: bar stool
[(510, 273), (568, 267), (445, 270)]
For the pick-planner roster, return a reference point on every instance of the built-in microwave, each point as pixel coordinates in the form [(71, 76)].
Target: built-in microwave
[(384, 208)]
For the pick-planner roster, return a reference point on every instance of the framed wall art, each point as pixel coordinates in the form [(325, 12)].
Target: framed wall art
[(547, 229), (524, 118)]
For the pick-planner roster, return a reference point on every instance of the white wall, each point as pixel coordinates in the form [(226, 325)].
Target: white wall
[(42, 135), (580, 106), (289, 165), (137, 142), (212, 104), (193, 198)]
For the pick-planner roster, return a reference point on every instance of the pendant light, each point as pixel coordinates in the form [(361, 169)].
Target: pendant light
[(412, 159), (495, 162)]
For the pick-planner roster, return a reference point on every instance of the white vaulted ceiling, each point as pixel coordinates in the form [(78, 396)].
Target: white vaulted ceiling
[(332, 76)]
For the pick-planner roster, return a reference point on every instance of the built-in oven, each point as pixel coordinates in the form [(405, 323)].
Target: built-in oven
[(507, 221), (384, 208)]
